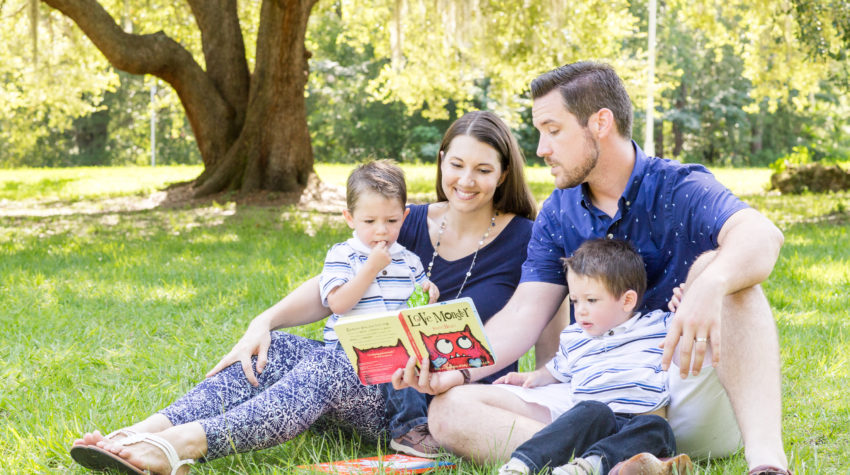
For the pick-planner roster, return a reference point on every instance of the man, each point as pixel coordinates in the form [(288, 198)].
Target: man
[(672, 213)]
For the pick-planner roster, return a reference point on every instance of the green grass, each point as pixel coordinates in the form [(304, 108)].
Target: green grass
[(107, 315)]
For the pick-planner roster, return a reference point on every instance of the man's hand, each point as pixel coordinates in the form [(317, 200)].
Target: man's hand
[(255, 341), (423, 381), (695, 326)]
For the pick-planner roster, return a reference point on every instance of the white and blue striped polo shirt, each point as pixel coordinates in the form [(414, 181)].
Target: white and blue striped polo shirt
[(390, 289), (621, 368)]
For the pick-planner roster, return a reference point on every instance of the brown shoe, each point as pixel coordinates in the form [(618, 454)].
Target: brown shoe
[(648, 464), (418, 442)]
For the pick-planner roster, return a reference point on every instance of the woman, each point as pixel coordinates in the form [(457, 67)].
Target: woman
[(473, 241)]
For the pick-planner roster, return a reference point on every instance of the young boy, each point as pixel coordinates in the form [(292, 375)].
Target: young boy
[(371, 272), (610, 362)]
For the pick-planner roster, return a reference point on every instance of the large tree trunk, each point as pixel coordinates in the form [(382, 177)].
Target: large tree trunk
[(273, 151), (251, 130)]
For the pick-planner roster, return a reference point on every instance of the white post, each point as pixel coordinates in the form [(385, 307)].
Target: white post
[(649, 144), (153, 123)]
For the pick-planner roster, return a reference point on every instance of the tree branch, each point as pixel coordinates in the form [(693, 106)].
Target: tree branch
[(224, 51), (161, 56)]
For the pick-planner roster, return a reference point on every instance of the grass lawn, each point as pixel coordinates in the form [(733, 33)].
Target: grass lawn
[(107, 315)]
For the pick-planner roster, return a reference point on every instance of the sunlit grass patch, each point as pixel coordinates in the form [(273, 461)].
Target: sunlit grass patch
[(89, 182)]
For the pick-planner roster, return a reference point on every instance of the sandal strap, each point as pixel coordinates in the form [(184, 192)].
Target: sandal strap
[(161, 444), (126, 432)]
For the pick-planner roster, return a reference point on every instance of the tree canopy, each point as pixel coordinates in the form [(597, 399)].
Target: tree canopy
[(737, 81)]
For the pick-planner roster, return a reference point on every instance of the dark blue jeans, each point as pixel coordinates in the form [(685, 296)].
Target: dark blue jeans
[(592, 428), (405, 409), (408, 408)]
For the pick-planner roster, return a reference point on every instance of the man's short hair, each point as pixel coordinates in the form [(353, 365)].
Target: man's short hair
[(613, 262), (380, 176), (586, 87)]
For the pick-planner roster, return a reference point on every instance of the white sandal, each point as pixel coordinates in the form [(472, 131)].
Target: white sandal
[(126, 432), (161, 444), (96, 458)]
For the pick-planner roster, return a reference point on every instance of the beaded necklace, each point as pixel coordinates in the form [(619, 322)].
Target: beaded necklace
[(480, 244)]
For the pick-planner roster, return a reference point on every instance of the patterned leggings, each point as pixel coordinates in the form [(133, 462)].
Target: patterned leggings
[(302, 382)]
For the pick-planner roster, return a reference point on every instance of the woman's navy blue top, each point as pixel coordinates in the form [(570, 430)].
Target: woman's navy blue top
[(495, 276)]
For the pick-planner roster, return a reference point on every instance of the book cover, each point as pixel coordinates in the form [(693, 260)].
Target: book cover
[(395, 463), (450, 333)]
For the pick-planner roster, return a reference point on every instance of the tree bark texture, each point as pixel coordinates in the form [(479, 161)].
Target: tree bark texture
[(251, 129)]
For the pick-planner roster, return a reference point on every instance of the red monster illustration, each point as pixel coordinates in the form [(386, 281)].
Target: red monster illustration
[(456, 350), (376, 365)]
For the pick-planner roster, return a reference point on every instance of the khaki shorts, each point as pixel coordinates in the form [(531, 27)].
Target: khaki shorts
[(701, 415)]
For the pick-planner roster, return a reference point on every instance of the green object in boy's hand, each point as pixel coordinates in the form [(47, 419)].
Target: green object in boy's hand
[(418, 297)]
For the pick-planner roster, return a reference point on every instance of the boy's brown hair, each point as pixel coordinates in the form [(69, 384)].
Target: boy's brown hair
[(381, 176), (614, 262)]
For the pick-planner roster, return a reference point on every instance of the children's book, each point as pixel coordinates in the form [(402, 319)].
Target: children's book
[(449, 333), (395, 463)]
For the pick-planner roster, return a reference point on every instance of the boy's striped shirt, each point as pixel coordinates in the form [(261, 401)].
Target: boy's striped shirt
[(388, 291), (621, 368)]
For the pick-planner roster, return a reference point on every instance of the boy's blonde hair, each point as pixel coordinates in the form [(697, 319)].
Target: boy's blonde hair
[(613, 262), (381, 176)]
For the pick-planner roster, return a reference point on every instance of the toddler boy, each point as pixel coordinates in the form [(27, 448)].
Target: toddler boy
[(371, 272), (611, 362)]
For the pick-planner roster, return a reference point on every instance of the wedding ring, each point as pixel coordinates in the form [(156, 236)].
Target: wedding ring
[(701, 339)]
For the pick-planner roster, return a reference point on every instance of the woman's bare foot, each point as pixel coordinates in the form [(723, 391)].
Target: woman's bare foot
[(89, 438), (188, 440)]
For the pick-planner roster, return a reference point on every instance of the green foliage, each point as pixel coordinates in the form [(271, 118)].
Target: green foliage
[(737, 82), (347, 122), (824, 27), (799, 156), (70, 108)]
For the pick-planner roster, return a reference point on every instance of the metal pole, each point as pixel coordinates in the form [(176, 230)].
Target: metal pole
[(649, 144), (153, 124)]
